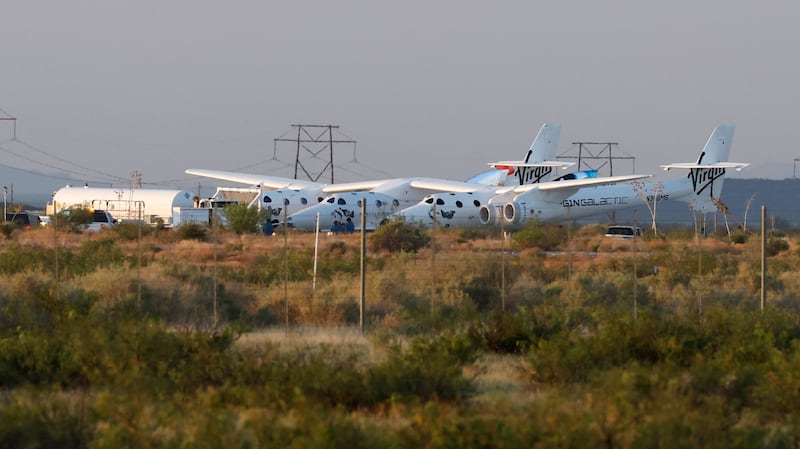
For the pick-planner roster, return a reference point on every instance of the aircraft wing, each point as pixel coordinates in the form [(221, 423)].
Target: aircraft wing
[(443, 185), (358, 186), (273, 182), (736, 165), (575, 184)]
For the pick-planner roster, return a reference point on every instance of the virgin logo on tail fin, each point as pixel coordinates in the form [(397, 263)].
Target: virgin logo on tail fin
[(532, 175), (703, 178)]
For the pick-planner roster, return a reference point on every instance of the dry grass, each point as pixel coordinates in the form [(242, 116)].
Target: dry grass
[(501, 380)]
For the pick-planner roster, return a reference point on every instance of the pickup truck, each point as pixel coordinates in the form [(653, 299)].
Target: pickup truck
[(101, 220)]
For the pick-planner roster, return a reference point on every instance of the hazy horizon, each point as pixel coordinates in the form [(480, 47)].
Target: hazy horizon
[(104, 88)]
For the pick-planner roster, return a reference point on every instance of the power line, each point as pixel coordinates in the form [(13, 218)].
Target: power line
[(87, 169), (79, 174)]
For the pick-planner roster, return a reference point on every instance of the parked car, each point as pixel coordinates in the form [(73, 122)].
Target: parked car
[(624, 232), (101, 220), (26, 220)]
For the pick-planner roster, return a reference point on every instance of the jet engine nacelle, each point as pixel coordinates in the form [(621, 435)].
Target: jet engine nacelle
[(490, 214), (517, 213)]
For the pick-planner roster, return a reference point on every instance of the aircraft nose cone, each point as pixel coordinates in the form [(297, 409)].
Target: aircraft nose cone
[(417, 214), (301, 221)]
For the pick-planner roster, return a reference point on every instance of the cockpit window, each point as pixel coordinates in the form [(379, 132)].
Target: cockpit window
[(429, 200), (286, 201), (267, 199), (378, 203), (341, 201), (331, 200), (439, 202)]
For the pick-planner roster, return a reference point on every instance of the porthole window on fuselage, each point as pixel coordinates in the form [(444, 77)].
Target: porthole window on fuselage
[(459, 204), (477, 203)]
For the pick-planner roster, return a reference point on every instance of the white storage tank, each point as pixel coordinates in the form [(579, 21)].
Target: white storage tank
[(124, 204)]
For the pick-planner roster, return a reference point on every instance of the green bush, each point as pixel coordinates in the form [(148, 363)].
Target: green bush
[(245, 220), (398, 235), (538, 235), (41, 421), (739, 236), (6, 229), (430, 368), (775, 245), (130, 230), (192, 231)]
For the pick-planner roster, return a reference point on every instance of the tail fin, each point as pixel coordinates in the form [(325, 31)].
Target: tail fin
[(545, 144), (539, 160), (708, 173)]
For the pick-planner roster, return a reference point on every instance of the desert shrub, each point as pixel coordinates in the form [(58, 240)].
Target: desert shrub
[(470, 233), (514, 332), (130, 230), (192, 231), (16, 258), (70, 220), (41, 422), (243, 219), (430, 368), (775, 245), (739, 236), (398, 235), (96, 253), (484, 295), (6, 229), (538, 235)]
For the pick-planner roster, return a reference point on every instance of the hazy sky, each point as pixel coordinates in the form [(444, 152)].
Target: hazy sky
[(426, 88)]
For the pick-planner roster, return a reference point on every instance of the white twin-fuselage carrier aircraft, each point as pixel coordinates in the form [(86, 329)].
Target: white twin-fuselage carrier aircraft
[(510, 194)]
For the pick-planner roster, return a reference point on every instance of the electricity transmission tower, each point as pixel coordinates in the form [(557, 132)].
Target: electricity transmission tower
[(314, 149), (597, 155)]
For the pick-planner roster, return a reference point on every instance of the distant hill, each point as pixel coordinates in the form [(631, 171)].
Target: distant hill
[(781, 197)]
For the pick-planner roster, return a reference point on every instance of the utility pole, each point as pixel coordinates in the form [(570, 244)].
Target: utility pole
[(363, 304), (763, 257)]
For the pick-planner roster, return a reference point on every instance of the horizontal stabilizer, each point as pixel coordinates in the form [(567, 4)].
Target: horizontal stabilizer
[(691, 165), (516, 164)]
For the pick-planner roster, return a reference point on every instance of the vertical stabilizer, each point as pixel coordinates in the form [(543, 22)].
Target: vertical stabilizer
[(708, 173), (538, 164), (545, 144)]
